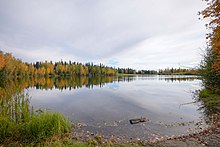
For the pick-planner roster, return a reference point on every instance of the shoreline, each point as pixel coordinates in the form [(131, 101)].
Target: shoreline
[(209, 136)]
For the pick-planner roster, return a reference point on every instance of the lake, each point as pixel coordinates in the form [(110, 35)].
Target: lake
[(105, 105)]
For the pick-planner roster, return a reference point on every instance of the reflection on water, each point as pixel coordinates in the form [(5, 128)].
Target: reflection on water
[(16, 108), (70, 83), (79, 82), (106, 104)]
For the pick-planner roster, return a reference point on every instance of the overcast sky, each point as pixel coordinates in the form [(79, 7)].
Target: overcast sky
[(142, 34)]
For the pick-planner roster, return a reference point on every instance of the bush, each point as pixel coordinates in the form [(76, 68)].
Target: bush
[(210, 77)]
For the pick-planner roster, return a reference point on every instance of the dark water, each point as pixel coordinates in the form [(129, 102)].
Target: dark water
[(106, 105)]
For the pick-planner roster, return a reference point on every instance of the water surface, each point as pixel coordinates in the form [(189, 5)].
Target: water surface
[(107, 107)]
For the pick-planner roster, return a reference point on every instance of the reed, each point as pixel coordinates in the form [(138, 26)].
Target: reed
[(19, 124)]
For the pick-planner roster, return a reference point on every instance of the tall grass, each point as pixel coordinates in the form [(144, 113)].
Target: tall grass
[(18, 123), (210, 101)]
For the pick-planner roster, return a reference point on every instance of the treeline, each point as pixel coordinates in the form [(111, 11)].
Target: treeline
[(178, 71), (148, 72), (126, 71), (210, 66), (133, 71), (12, 67), (167, 71)]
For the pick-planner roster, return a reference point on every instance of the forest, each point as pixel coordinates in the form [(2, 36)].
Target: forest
[(13, 67)]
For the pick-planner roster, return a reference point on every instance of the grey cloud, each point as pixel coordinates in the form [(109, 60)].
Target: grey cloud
[(142, 31)]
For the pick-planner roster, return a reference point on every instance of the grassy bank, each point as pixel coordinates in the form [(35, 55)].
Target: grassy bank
[(20, 125), (34, 130), (210, 100)]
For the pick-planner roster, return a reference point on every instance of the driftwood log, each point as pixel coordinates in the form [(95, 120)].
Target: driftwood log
[(137, 120)]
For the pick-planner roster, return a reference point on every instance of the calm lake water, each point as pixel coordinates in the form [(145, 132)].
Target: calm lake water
[(106, 108)]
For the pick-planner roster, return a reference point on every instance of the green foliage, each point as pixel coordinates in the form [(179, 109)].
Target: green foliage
[(42, 126), (34, 130), (126, 71), (210, 101), (211, 79), (63, 142), (178, 71), (2, 78), (66, 141), (19, 124), (209, 98)]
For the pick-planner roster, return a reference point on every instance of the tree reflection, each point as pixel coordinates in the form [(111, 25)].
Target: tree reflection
[(15, 104), (15, 85)]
